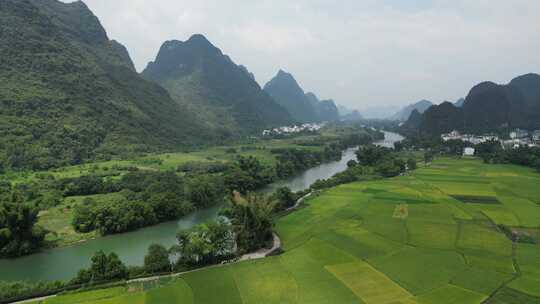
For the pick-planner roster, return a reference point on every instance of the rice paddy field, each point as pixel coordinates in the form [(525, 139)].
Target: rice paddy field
[(430, 237)]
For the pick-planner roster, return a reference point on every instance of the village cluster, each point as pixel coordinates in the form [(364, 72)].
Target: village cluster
[(309, 127), (517, 138)]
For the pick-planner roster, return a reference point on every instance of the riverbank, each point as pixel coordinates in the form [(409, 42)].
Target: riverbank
[(276, 248), (259, 254)]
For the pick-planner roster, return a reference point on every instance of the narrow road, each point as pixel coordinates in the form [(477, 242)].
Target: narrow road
[(262, 253)]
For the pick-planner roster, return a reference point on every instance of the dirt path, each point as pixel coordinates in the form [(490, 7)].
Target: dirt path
[(300, 201), (34, 300), (262, 253)]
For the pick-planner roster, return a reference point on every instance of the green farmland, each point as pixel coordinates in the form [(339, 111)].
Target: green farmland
[(431, 237)]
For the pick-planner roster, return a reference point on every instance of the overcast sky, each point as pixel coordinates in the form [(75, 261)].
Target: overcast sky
[(362, 53)]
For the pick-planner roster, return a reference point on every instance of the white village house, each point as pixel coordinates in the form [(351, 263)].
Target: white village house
[(468, 151)]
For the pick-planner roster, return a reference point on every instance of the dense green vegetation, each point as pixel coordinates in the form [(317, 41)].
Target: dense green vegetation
[(401, 240), (68, 94), (104, 268), (491, 152), (157, 259), (205, 244), (146, 198), (19, 234), (373, 162), (252, 222)]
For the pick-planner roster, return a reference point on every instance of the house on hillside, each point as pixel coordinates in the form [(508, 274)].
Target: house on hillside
[(469, 151)]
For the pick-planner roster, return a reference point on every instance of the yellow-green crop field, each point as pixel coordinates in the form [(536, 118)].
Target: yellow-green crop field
[(403, 240)]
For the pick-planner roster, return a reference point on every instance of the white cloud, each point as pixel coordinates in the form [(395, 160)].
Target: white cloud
[(357, 52)]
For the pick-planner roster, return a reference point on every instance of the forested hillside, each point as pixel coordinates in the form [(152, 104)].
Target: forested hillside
[(224, 95), (69, 94)]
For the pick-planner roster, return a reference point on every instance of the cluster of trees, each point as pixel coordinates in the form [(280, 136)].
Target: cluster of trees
[(205, 244), (384, 160), (292, 161), (147, 198), (19, 234), (41, 192), (108, 267), (103, 268), (372, 162), (434, 144), (248, 174), (284, 198), (252, 222), (492, 152)]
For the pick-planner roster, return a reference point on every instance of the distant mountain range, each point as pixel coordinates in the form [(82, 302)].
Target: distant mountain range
[(403, 114), (352, 116), (304, 107), (488, 107), (378, 112)]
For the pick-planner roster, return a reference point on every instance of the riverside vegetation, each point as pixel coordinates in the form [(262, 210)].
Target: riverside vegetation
[(71, 204)]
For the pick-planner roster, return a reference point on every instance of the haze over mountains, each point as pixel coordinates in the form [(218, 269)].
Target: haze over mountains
[(224, 95), (403, 114), (304, 107)]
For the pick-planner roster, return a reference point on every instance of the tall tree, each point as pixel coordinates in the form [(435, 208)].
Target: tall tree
[(157, 259)]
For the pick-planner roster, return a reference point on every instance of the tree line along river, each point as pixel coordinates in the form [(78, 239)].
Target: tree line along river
[(63, 263)]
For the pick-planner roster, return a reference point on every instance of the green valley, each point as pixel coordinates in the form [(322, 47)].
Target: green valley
[(347, 245), (179, 167)]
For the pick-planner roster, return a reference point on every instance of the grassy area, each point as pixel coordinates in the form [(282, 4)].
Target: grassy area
[(170, 161), (58, 220), (402, 240)]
